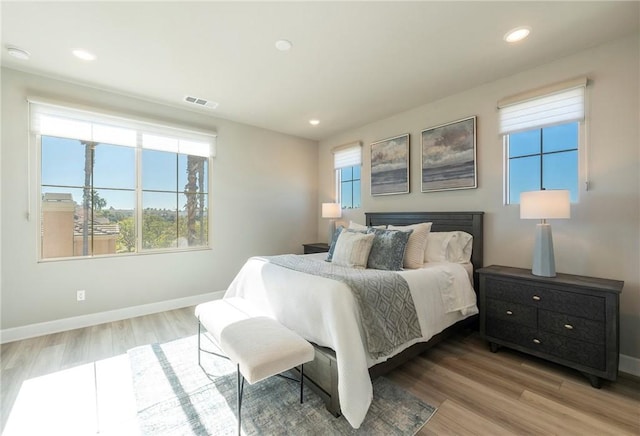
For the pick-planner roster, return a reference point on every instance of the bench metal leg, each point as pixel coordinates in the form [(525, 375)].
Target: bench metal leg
[(301, 382), (240, 390), (199, 347)]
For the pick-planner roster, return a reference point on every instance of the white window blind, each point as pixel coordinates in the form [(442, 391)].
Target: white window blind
[(347, 155), (64, 122), (555, 104)]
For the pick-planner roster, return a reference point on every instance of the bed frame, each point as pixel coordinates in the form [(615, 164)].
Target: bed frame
[(321, 375)]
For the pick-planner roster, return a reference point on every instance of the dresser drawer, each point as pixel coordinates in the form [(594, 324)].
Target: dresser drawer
[(572, 327), (572, 350), (509, 291), (509, 331), (545, 343), (512, 312), (528, 293)]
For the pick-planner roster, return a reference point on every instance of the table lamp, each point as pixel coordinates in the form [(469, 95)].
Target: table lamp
[(544, 205), (331, 210)]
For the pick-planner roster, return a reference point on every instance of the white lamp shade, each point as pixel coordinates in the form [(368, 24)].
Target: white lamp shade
[(331, 210), (545, 204)]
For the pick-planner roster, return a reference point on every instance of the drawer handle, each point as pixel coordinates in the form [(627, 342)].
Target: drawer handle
[(537, 341), (568, 326), (536, 298), (509, 312)]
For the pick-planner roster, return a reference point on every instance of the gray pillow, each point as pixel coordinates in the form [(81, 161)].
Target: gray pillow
[(387, 251)]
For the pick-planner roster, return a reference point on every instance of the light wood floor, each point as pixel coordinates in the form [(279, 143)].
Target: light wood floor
[(78, 382)]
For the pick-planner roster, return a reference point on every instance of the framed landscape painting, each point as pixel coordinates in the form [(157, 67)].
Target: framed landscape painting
[(449, 156), (390, 166)]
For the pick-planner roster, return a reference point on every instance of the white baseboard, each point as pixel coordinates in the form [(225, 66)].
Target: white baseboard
[(61, 325), (630, 365)]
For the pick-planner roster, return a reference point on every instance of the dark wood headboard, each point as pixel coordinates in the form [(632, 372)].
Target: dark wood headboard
[(470, 222)]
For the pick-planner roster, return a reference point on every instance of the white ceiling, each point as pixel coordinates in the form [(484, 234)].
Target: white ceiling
[(352, 62)]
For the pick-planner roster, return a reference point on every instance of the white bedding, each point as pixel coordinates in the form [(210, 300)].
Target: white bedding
[(324, 311)]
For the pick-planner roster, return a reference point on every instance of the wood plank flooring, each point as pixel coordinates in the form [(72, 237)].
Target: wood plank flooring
[(476, 392)]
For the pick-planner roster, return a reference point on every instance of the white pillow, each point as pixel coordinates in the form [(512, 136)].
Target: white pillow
[(356, 226), (449, 247), (416, 245), (352, 249)]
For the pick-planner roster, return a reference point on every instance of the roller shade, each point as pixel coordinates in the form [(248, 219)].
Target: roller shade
[(65, 122), (347, 155), (555, 104)]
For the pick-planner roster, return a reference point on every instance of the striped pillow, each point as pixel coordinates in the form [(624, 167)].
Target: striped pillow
[(352, 249), (414, 255)]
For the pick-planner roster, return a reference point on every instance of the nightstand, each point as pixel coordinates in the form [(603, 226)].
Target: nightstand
[(568, 319), (316, 247)]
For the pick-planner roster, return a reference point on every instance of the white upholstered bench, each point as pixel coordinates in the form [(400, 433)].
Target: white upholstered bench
[(259, 346)]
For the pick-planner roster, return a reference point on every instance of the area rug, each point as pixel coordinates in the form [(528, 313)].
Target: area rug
[(174, 396)]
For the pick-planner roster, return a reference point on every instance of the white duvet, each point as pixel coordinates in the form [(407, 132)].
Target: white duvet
[(324, 311)]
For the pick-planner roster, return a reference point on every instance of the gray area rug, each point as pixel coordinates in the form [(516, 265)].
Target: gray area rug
[(174, 397)]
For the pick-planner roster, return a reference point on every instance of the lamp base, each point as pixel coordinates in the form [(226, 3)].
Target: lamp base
[(544, 263)]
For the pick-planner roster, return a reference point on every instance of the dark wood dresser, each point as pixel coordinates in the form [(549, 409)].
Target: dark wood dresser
[(316, 247), (568, 319)]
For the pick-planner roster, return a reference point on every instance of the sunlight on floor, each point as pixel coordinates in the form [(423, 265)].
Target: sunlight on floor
[(95, 398)]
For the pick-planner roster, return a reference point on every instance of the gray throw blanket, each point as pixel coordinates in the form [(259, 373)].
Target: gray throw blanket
[(388, 314)]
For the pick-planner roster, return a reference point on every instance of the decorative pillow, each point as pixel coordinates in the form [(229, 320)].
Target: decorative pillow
[(388, 249), (449, 247), (334, 238), (352, 249), (417, 244)]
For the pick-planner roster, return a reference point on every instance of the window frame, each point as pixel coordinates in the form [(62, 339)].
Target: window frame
[(346, 156), (36, 192)]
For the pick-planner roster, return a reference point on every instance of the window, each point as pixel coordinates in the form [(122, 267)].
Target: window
[(347, 165), (541, 139), (111, 186), (543, 158), (348, 179)]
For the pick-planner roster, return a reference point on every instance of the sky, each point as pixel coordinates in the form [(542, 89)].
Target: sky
[(63, 163)]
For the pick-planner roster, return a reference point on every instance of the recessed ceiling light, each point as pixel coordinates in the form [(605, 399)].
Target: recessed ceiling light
[(283, 45), (517, 34), (314, 122), (18, 53), (84, 54)]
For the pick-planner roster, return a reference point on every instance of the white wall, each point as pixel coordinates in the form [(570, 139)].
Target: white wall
[(263, 201), (602, 238)]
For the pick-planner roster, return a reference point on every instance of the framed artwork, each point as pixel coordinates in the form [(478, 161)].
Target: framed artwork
[(390, 166), (449, 156)]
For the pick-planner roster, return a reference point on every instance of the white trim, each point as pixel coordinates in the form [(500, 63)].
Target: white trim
[(60, 325), (629, 365)]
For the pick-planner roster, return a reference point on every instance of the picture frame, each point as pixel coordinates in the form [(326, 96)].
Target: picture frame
[(390, 166), (449, 156)]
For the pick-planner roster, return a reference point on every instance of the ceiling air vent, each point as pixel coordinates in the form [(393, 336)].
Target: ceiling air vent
[(201, 102)]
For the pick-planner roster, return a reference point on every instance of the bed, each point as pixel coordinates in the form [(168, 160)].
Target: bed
[(319, 309)]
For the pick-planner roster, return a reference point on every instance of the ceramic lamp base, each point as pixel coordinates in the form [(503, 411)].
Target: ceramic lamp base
[(544, 263)]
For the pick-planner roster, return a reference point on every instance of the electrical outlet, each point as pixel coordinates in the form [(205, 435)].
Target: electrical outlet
[(80, 295)]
